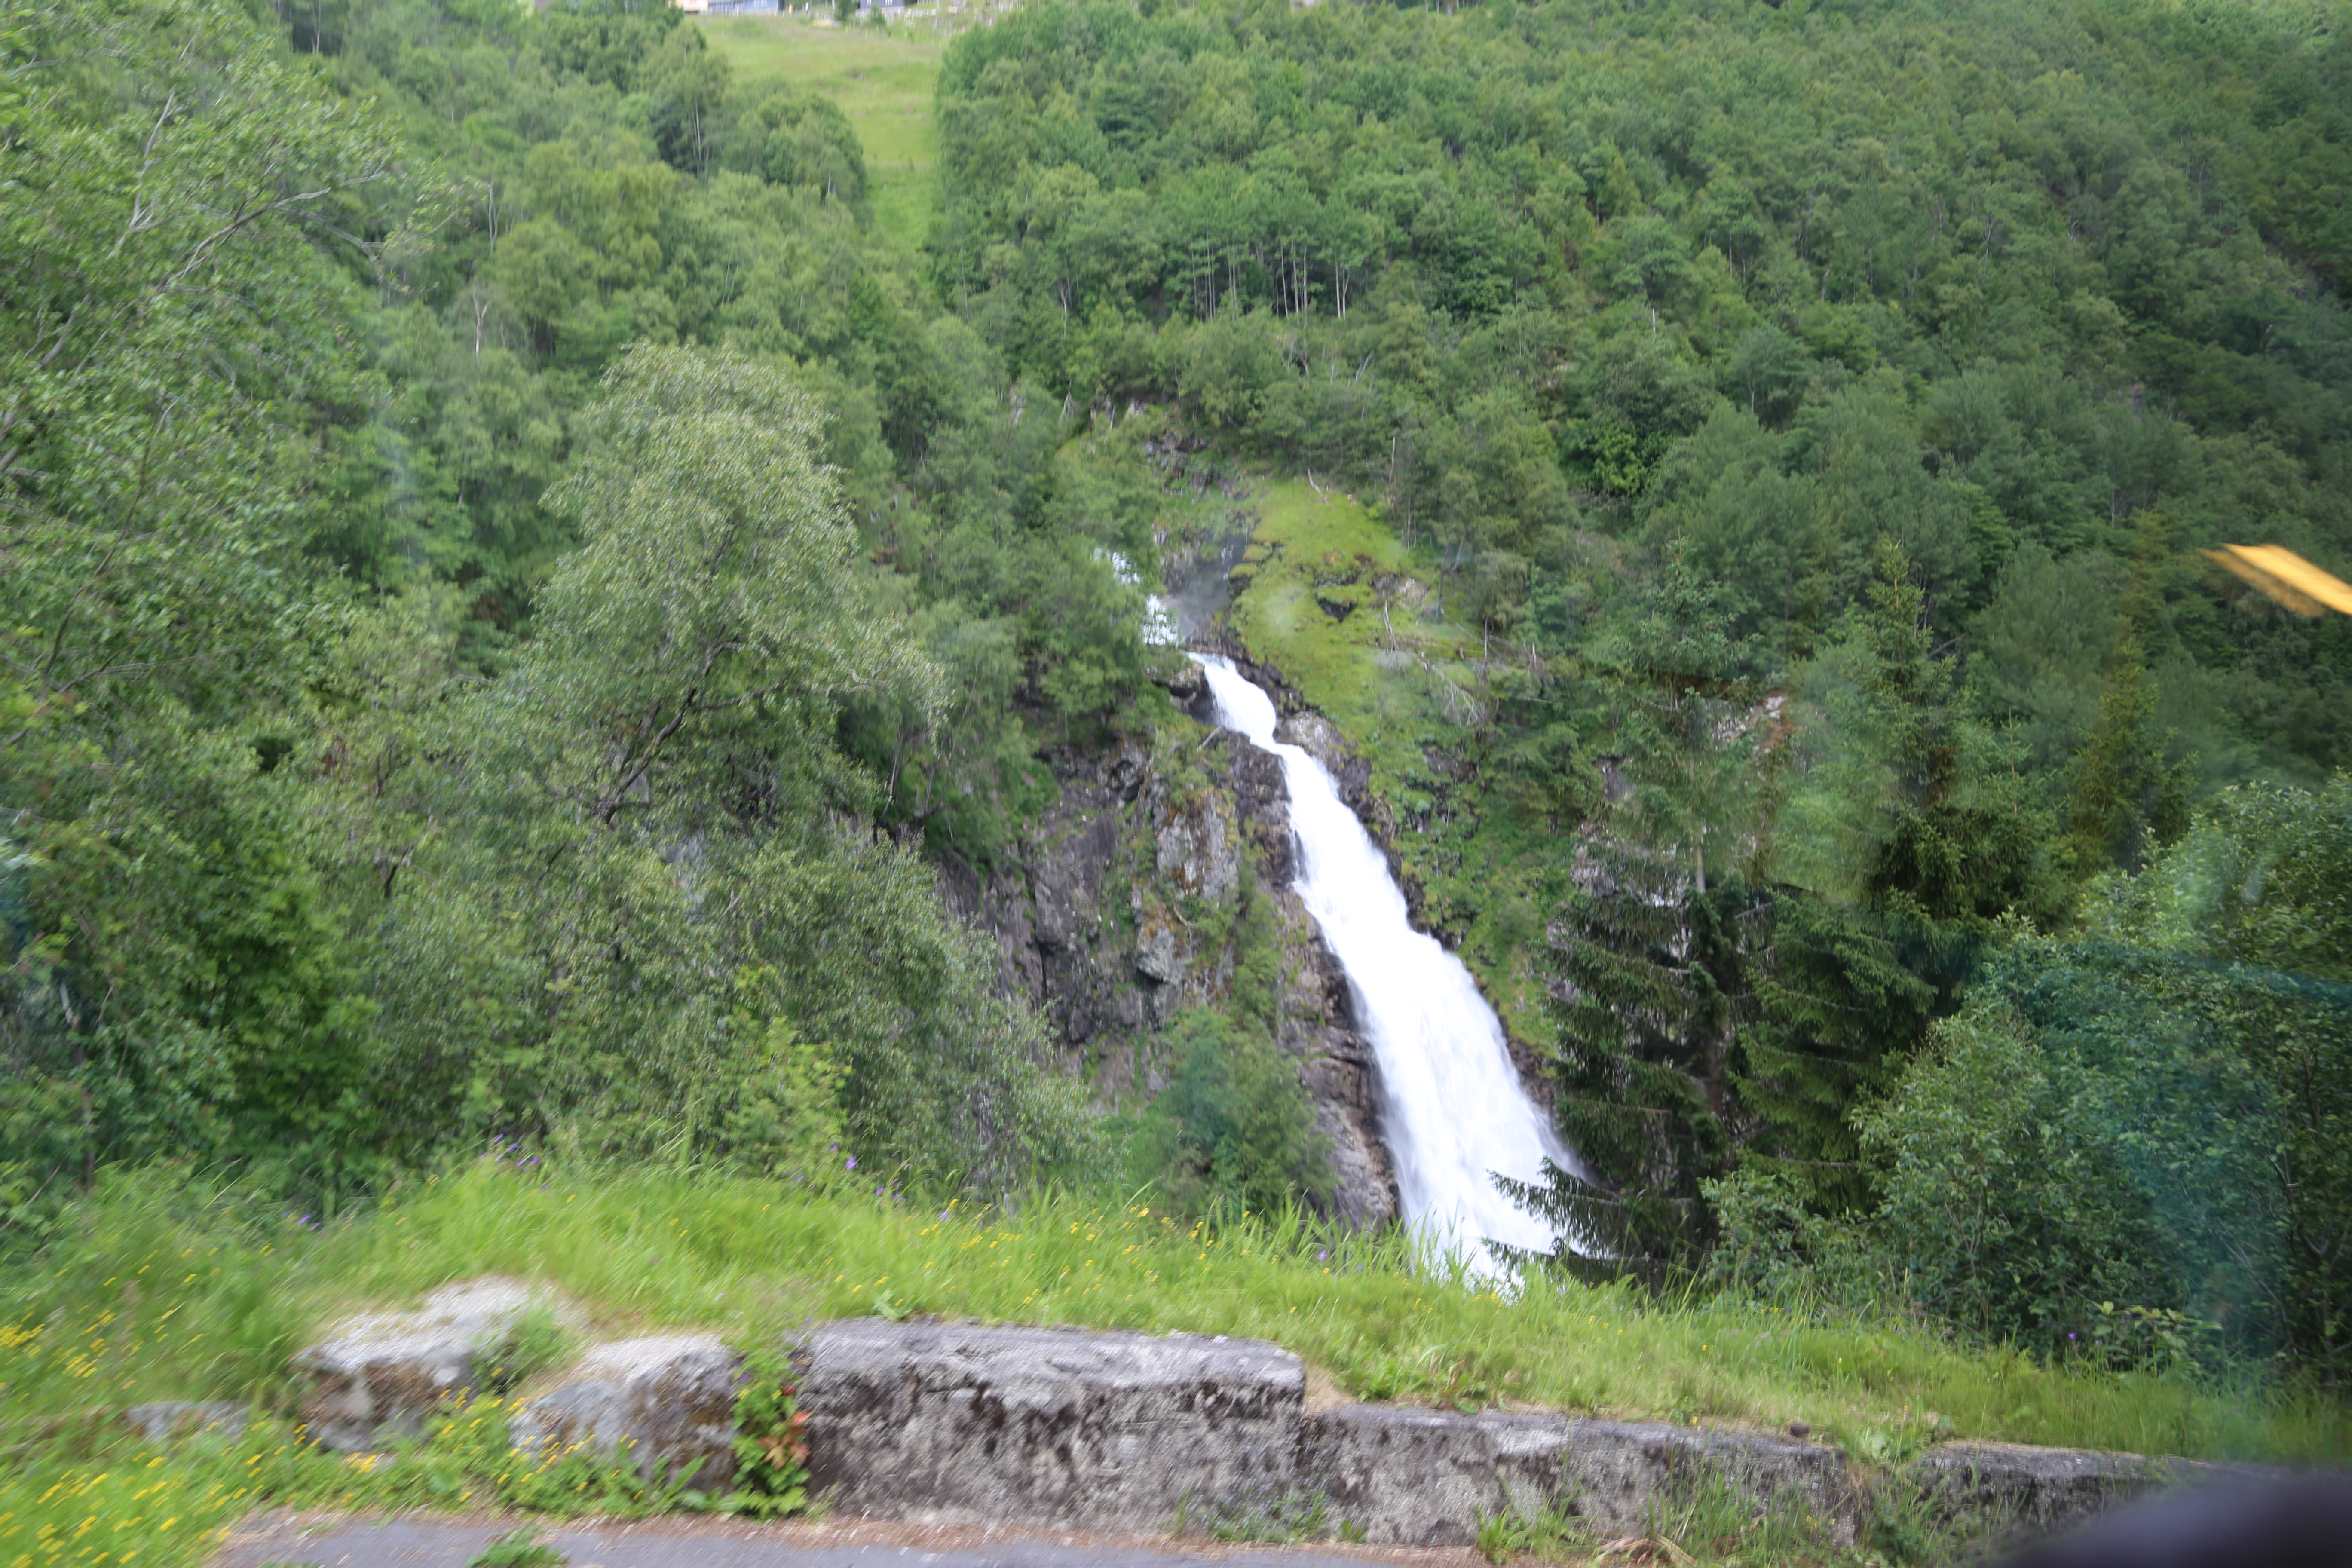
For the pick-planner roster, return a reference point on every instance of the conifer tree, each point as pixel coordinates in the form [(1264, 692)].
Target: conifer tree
[(1866, 829), (1906, 831), (2127, 798), (1654, 948)]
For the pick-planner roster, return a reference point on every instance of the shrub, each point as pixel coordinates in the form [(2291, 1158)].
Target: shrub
[(1232, 1128)]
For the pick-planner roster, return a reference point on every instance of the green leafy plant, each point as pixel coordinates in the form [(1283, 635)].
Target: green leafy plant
[(1274, 1518), (518, 1549), (770, 1441), (537, 1341), (467, 1453), (1552, 1534), (2164, 1339)]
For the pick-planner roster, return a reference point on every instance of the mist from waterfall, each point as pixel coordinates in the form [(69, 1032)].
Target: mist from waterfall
[(1453, 1108)]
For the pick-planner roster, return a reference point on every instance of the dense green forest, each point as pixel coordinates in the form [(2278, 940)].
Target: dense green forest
[(1813, 413), (321, 393), (513, 585)]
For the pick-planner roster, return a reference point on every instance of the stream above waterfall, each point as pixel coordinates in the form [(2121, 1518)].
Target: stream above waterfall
[(1453, 1111)]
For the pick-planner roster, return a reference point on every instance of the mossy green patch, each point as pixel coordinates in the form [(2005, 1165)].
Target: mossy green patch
[(1329, 596)]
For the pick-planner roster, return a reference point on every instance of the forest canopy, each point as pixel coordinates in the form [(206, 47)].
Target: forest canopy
[(513, 591), (1816, 413)]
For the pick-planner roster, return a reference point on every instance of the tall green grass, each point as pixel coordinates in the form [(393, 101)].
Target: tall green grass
[(881, 79), (158, 1288), (152, 1294)]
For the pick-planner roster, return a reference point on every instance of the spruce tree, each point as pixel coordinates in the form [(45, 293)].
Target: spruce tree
[(1907, 829), (1652, 948), (1782, 892), (2127, 798)]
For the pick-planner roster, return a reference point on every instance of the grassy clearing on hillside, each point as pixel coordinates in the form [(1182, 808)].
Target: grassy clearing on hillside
[(883, 82), (1370, 665), (155, 1293), (1353, 619)]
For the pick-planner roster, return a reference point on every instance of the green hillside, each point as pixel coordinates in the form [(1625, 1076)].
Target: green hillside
[(541, 550)]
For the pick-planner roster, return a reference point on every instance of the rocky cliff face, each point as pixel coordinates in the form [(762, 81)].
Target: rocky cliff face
[(1116, 913)]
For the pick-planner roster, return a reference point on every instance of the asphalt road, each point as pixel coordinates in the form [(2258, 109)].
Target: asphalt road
[(431, 1543)]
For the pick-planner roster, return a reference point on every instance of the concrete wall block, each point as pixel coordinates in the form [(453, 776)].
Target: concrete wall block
[(2029, 1491), (956, 1424), (1618, 1473), (1409, 1477), (965, 1424), (669, 1399), (378, 1376)]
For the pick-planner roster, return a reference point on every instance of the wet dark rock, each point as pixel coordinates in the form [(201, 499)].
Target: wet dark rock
[(1095, 918)]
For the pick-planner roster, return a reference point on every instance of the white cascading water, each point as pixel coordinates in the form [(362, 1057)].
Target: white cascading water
[(1452, 1107)]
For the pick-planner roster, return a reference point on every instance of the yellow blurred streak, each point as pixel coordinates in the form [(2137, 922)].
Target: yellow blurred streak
[(2284, 576)]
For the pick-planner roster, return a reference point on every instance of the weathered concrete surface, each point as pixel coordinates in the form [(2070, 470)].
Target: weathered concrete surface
[(955, 1424), (2040, 1489), (1426, 1477), (376, 1378), (950, 1424), (669, 1400), (1614, 1471), (164, 1420)]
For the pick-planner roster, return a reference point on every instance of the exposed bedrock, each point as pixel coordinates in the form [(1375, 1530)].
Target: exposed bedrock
[(1114, 913)]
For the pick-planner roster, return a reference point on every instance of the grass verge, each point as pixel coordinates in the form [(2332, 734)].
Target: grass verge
[(154, 1291)]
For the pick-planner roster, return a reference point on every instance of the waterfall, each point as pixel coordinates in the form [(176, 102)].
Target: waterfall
[(1453, 1108)]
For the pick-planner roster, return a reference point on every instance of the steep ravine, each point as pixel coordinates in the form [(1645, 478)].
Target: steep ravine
[(1310, 729), (1114, 913)]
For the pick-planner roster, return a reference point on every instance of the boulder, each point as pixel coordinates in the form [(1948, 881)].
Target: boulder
[(958, 1423), (163, 1420), (380, 1374), (667, 1402)]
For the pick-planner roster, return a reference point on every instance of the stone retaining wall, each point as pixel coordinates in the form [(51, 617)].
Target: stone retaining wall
[(966, 1424)]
